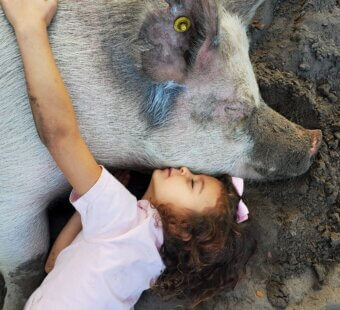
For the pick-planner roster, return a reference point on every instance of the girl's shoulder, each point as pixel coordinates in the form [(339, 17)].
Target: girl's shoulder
[(154, 219), (150, 211)]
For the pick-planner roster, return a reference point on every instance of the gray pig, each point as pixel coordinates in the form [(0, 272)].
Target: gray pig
[(146, 96)]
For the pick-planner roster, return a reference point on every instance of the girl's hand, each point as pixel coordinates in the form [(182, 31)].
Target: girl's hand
[(64, 239), (49, 265), (25, 14)]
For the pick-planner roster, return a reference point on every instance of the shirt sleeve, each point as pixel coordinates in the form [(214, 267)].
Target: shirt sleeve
[(108, 209)]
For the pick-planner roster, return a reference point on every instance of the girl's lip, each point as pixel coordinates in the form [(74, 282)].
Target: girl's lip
[(170, 170)]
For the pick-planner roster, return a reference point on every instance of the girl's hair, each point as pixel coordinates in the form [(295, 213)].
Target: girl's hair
[(204, 253)]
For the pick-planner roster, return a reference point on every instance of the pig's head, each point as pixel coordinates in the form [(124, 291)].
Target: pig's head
[(206, 99)]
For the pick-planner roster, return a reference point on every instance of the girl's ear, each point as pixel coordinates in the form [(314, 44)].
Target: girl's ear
[(179, 231), (185, 236)]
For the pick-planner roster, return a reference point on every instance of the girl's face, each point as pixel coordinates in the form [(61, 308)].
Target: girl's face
[(180, 188)]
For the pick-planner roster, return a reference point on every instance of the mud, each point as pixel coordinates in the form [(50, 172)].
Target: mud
[(296, 55)]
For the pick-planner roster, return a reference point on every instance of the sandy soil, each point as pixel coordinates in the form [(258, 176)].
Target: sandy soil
[(296, 55), (297, 61)]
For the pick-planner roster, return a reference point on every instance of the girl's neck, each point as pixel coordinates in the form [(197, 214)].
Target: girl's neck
[(147, 195), (139, 185)]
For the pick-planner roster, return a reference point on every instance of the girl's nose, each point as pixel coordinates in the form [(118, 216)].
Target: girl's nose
[(184, 170)]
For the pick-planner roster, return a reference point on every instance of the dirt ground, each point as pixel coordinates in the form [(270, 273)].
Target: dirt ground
[(296, 55)]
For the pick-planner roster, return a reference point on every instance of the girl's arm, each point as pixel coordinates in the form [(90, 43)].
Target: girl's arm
[(50, 102), (64, 239), (74, 226)]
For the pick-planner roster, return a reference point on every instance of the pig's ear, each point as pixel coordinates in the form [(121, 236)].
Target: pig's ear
[(207, 38), (245, 9), (171, 51), (164, 58)]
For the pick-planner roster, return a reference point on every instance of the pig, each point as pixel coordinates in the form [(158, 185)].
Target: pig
[(146, 95)]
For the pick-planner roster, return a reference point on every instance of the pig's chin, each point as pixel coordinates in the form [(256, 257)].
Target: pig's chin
[(261, 173), (248, 173)]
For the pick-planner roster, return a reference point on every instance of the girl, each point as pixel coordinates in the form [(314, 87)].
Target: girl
[(182, 237)]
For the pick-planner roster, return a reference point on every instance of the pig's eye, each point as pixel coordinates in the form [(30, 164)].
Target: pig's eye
[(192, 183), (182, 24)]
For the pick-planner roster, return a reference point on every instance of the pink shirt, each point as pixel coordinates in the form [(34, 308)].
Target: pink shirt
[(112, 260)]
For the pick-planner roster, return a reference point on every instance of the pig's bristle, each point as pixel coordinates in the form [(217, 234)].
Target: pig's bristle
[(161, 97)]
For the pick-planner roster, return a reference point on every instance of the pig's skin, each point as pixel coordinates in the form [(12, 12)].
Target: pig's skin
[(204, 118)]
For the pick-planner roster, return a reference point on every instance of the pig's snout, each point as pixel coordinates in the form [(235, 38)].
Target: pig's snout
[(281, 149), (316, 141)]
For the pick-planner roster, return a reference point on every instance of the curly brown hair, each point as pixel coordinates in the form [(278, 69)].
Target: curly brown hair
[(204, 253)]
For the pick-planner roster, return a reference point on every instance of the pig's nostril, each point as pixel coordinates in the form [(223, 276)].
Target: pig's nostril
[(316, 141)]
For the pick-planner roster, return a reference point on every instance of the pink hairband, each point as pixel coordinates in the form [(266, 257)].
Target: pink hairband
[(242, 210)]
